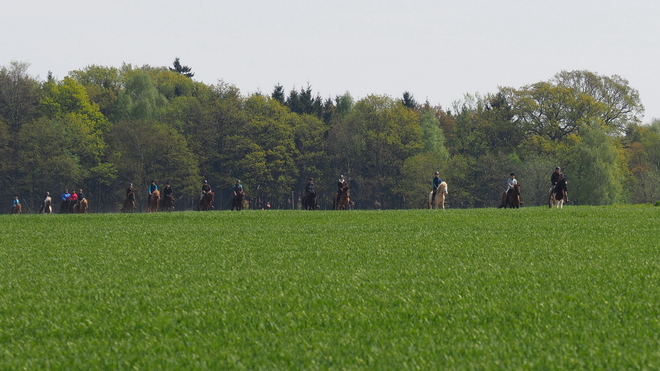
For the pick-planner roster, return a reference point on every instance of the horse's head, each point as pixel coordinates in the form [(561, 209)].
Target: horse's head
[(443, 187)]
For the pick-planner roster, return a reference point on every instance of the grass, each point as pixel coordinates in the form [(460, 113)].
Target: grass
[(457, 289)]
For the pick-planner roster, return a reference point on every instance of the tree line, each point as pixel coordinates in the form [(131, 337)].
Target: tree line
[(102, 128)]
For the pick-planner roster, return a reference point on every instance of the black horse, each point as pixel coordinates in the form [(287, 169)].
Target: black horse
[(309, 201), (237, 201), (559, 194)]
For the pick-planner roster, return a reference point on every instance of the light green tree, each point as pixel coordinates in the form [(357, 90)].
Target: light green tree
[(594, 175)]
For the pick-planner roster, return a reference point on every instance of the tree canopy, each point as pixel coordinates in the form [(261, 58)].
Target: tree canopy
[(101, 128)]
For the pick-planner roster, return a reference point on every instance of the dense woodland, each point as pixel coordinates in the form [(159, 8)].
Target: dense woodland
[(101, 128)]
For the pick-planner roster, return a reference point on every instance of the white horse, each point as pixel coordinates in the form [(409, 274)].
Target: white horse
[(439, 197), (47, 207)]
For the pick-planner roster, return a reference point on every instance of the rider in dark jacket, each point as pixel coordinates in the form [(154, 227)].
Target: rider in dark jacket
[(167, 191), (310, 189), (206, 188), (238, 188), (342, 186), (436, 183), (554, 178)]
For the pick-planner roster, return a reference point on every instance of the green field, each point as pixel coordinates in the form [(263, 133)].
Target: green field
[(533, 288)]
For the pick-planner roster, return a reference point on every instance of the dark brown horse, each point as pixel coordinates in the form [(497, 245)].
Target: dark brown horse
[(129, 203), (237, 201), (167, 204), (558, 195), (206, 203), (511, 199), (309, 201), (66, 207)]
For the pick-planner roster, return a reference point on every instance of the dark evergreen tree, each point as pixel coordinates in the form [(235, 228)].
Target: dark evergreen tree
[(409, 101), (184, 70), (278, 93)]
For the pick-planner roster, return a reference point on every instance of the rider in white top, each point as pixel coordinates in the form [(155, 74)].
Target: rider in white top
[(511, 181)]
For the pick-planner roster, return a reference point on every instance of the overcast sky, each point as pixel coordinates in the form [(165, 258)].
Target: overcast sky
[(437, 50)]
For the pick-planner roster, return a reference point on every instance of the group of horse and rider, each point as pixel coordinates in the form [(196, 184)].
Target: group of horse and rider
[(72, 202), (76, 201), (558, 193), (154, 200), (207, 197), (166, 202), (341, 199)]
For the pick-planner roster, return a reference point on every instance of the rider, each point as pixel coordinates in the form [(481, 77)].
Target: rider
[(153, 187), (238, 188), (73, 198), (436, 183), (65, 195), (511, 182), (167, 191), (554, 178), (310, 188), (65, 198), (206, 188), (129, 190), (342, 186), (81, 195), (15, 203)]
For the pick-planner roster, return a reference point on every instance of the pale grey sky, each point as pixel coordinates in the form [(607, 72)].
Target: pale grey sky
[(437, 50)]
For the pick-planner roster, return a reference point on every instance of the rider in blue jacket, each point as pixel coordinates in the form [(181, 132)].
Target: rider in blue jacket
[(153, 187), (238, 188), (436, 183)]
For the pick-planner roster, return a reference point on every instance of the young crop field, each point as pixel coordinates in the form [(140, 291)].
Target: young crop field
[(532, 288)]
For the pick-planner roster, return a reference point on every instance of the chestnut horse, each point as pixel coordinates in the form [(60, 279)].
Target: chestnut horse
[(440, 195), (342, 201), (154, 200), (17, 209), (511, 199), (81, 207)]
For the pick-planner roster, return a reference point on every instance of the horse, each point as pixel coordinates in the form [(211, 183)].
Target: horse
[(511, 199), (81, 207), (237, 201), (17, 209), (167, 204), (439, 197), (342, 200), (47, 206), (153, 201), (66, 207), (309, 201), (559, 194), (129, 203), (206, 203)]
